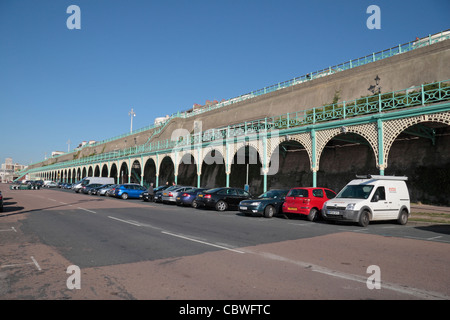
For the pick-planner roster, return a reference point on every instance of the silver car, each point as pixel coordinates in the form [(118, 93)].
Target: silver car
[(171, 195)]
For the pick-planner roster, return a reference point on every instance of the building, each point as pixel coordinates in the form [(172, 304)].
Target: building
[(8, 170)]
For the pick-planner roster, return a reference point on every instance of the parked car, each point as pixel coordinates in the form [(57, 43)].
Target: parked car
[(1, 202), (128, 190), (267, 204), (170, 196), (88, 188), (111, 190), (158, 194), (188, 197), (307, 201), (222, 198), (101, 191), (95, 190), (51, 184), (146, 197)]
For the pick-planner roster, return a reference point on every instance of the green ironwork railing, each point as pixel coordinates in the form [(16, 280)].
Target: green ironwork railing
[(380, 103)]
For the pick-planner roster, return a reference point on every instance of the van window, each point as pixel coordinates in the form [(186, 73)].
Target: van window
[(355, 191), (381, 194)]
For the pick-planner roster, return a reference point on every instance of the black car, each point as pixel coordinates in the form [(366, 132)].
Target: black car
[(158, 190), (267, 204), (222, 198), (1, 202)]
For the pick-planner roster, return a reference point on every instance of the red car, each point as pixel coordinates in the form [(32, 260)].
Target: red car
[(307, 201)]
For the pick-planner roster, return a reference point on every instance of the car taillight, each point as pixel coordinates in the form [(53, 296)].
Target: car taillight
[(207, 196), (185, 195), (307, 200), (170, 194)]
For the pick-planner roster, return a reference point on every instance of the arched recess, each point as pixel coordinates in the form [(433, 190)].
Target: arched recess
[(246, 169), (289, 165), (135, 176), (187, 170), (113, 173), (123, 173), (213, 169), (79, 174), (90, 172), (97, 171), (344, 156), (84, 173), (421, 151), (150, 172), (166, 171), (105, 170)]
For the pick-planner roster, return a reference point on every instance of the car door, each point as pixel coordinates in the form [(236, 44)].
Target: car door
[(379, 204)]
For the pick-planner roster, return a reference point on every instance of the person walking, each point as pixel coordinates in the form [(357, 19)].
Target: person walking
[(151, 192)]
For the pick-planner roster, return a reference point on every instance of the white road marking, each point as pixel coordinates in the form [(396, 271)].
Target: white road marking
[(23, 264), (86, 210), (203, 242), (125, 221), (418, 293)]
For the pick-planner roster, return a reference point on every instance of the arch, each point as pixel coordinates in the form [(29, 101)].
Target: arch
[(97, 171), (150, 172), (187, 172), (166, 170), (105, 170), (83, 173), (213, 165), (113, 172), (392, 128), (90, 172), (247, 163), (135, 172), (123, 173), (368, 131)]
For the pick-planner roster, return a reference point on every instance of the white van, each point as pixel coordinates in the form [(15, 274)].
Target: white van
[(370, 198), (89, 180)]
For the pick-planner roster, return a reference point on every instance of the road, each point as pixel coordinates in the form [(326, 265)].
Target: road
[(128, 249)]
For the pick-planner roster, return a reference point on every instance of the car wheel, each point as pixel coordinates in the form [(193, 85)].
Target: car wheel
[(364, 219), (312, 216), (124, 196), (221, 205), (403, 217), (269, 211)]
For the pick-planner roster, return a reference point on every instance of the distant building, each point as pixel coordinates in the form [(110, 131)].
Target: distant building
[(57, 153), (8, 170)]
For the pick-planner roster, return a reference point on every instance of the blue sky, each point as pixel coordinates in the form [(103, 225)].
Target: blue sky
[(160, 57)]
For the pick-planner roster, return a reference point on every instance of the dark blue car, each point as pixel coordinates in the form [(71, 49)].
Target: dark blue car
[(267, 204), (187, 198)]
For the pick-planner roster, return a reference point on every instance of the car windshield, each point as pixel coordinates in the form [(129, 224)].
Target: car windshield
[(355, 191), (298, 193), (273, 194)]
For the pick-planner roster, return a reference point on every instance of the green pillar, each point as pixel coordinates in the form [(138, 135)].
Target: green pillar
[(313, 157), (381, 164)]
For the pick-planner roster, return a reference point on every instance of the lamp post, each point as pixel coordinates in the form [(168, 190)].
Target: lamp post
[(131, 114)]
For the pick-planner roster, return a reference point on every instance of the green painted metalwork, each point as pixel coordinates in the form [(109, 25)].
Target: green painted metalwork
[(412, 100)]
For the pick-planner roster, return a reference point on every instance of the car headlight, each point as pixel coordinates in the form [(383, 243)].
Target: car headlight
[(350, 206), (257, 203)]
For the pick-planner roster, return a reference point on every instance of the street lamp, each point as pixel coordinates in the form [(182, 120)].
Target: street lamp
[(131, 114)]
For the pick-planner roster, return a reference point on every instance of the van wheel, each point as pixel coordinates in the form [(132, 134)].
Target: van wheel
[(269, 211), (364, 219), (403, 217), (124, 196), (312, 216), (221, 206)]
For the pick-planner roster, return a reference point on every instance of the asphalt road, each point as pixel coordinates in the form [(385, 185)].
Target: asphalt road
[(128, 249)]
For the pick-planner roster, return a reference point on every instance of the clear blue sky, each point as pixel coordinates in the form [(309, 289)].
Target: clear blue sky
[(160, 57)]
